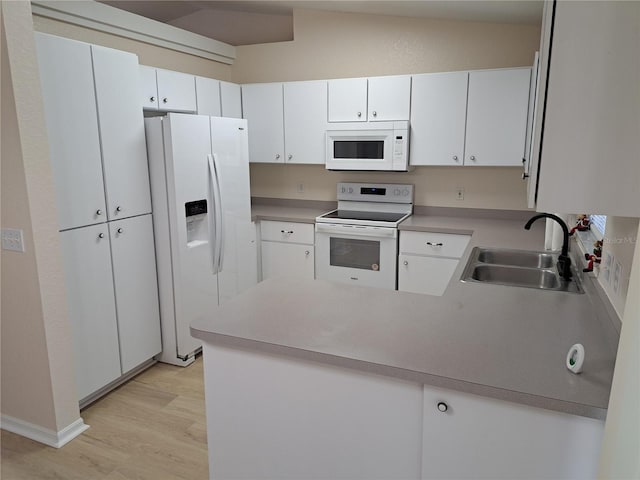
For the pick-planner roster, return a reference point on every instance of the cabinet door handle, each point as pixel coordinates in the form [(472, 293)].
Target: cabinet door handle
[(118, 208), (290, 156), (101, 235), (434, 244), (375, 114), (443, 407), (455, 158), (472, 158), (120, 230), (405, 263), (525, 176), (287, 232), (98, 212), (306, 253), (359, 114), (152, 99), (277, 156), (165, 100)]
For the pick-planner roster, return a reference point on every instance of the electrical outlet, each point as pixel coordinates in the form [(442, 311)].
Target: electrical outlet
[(459, 193), (12, 240), (300, 187)]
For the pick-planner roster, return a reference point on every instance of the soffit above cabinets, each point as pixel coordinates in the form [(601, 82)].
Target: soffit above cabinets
[(248, 22)]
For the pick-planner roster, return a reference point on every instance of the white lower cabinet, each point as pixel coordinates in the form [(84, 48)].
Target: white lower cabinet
[(112, 296), (479, 437), (287, 249), (92, 309), (335, 422), (137, 307), (427, 261)]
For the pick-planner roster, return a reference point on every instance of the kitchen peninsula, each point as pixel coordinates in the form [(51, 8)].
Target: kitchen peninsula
[(315, 379)]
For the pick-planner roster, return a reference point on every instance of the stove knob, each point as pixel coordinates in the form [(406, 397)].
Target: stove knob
[(396, 191), (405, 192), (350, 190), (344, 189)]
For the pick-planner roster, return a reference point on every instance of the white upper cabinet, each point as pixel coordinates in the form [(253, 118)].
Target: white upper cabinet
[(217, 98), (347, 100), (72, 128), (175, 91), (305, 113), (497, 117), (208, 96), (374, 99), (438, 118), (589, 160), (389, 98), (124, 152), (262, 105), (148, 88), (230, 100)]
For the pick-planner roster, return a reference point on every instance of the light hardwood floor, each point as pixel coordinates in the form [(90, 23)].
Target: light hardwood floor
[(152, 427)]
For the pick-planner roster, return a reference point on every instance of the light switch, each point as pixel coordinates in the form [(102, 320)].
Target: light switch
[(12, 240)]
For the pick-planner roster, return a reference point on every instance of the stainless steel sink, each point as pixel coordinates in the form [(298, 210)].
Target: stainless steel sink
[(517, 268), (517, 258)]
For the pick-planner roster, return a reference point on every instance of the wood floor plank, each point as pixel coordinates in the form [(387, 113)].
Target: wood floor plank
[(152, 427)]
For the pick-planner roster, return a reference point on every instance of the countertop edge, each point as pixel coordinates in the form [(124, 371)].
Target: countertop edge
[(531, 400)]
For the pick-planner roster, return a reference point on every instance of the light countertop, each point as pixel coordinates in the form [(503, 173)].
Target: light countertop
[(498, 341)]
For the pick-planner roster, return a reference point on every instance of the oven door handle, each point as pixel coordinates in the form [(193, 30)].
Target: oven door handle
[(356, 231)]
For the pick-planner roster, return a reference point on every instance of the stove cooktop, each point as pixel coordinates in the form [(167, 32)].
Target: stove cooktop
[(364, 216)]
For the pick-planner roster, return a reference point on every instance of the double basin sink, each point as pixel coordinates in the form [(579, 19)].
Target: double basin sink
[(518, 268)]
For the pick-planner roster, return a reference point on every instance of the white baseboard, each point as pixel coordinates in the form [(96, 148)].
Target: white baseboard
[(43, 435)]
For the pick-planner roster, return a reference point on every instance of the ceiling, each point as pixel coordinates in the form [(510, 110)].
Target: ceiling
[(245, 22)]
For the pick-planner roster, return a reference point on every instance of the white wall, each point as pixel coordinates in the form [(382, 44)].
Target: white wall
[(620, 457), (38, 378), (332, 45)]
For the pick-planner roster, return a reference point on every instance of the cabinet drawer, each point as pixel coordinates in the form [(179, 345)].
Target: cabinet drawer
[(434, 244), (287, 232)]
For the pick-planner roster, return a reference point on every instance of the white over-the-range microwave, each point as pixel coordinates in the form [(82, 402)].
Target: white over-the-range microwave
[(368, 146)]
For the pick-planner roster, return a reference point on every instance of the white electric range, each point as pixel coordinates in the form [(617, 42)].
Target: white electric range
[(358, 242)]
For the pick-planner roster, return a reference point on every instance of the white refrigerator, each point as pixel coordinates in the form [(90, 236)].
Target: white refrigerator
[(205, 241)]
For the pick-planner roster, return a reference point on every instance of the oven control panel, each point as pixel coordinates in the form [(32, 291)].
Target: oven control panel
[(375, 192)]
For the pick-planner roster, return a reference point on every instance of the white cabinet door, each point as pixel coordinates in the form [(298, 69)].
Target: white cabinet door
[(208, 96), (136, 288), (497, 117), (176, 91), (91, 302), (148, 88), (124, 151), (231, 100), (263, 108), (591, 138), (428, 275), (305, 121), (347, 100), (68, 92), (389, 98), (438, 118), (285, 259), (479, 437)]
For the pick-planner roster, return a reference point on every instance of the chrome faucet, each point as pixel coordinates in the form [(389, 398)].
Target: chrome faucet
[(564, 262)]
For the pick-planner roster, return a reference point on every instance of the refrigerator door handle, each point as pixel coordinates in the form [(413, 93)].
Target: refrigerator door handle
[(219, 215), (217, 201), (213, 238)]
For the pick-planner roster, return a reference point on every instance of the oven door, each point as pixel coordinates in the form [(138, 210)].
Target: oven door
[(357, 254)]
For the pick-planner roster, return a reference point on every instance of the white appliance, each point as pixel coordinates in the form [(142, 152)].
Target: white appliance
[(358, 242), (368, 146), (205, 243)]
